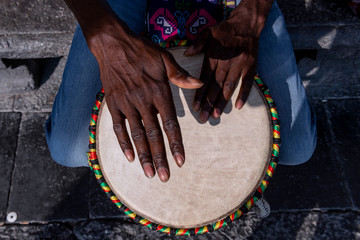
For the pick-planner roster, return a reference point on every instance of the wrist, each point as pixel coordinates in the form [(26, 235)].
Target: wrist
[(102, 30), (109, 36), (250, 13), (97, 21)]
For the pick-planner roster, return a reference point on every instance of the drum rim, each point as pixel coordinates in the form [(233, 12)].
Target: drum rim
[(257, 194)]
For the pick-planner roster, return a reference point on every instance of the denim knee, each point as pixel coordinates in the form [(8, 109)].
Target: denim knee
[(297, 157), (301, 147), (66, 151)]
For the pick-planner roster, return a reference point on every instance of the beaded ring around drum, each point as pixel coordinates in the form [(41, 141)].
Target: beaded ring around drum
[(95, 166)]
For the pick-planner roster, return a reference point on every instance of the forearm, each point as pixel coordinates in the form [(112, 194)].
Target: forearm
[(95, 18), (102, 28), (251, 12)]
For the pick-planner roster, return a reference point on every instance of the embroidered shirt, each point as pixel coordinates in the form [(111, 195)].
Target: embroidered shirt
[(173, 23)]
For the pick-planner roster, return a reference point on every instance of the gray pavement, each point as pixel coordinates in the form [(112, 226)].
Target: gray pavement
[(316, 200)]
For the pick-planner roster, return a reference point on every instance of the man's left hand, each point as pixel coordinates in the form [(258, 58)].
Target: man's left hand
[(231, 49)]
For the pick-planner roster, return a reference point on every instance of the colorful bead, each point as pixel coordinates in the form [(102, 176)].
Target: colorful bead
[(94, 165)]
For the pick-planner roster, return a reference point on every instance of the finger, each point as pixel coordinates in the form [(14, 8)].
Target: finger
[(246, 84), (121, 133), (177, 75), (206, 76), (199, 97), (157, 147), (229, 87), (142, 147), (199, 44), (172, 128), (209, 103), (214, 91)]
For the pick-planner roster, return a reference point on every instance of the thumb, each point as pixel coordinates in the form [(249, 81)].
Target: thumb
[(179, 76), (198, 45)]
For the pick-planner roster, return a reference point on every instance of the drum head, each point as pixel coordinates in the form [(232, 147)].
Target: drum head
[(226, 159)]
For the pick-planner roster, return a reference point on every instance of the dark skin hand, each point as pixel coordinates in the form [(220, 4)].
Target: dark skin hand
[(231, 49), (135, 74)]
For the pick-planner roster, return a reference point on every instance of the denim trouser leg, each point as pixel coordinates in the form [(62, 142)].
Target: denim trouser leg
[(67, 126), (277, 68)]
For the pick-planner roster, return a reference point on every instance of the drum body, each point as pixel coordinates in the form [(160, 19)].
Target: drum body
[(227, 161)]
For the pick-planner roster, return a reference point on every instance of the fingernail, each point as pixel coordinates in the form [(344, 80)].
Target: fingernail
[(149, 170), (196, 83), (163, 174), (197, 106), (216, 113), (179, 159), (129, 155), (239, 104), (204, 116)]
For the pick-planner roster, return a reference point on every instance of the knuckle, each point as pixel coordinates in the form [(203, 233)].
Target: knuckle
[(160, 160), (153, 134), (118, 128), (176, 146), (181, 73), (124, 144), (221, 74), (220, 84), (171, 125), (137, 134), (229, 86), (144, 157)]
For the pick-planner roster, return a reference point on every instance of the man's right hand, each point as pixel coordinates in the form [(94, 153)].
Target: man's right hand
[(135, 74)]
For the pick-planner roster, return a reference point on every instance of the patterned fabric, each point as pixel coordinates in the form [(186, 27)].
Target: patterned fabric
[(177, 23)]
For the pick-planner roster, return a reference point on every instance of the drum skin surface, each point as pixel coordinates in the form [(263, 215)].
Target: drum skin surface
[(226, 159)]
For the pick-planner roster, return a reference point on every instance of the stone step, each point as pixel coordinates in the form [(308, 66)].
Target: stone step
[(38, 29), (287, 225), (321, 24), (35, 28), (18, 75)]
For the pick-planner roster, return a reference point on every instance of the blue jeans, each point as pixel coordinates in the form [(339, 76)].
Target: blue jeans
[(67, 127)]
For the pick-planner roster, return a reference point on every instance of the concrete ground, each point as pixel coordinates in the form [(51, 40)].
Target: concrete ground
[(317, 200)]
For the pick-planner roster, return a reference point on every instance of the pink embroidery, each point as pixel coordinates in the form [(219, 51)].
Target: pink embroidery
[(165, 22), (197, 22)]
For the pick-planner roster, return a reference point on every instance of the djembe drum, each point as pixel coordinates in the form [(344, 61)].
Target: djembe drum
[(229, 162)]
